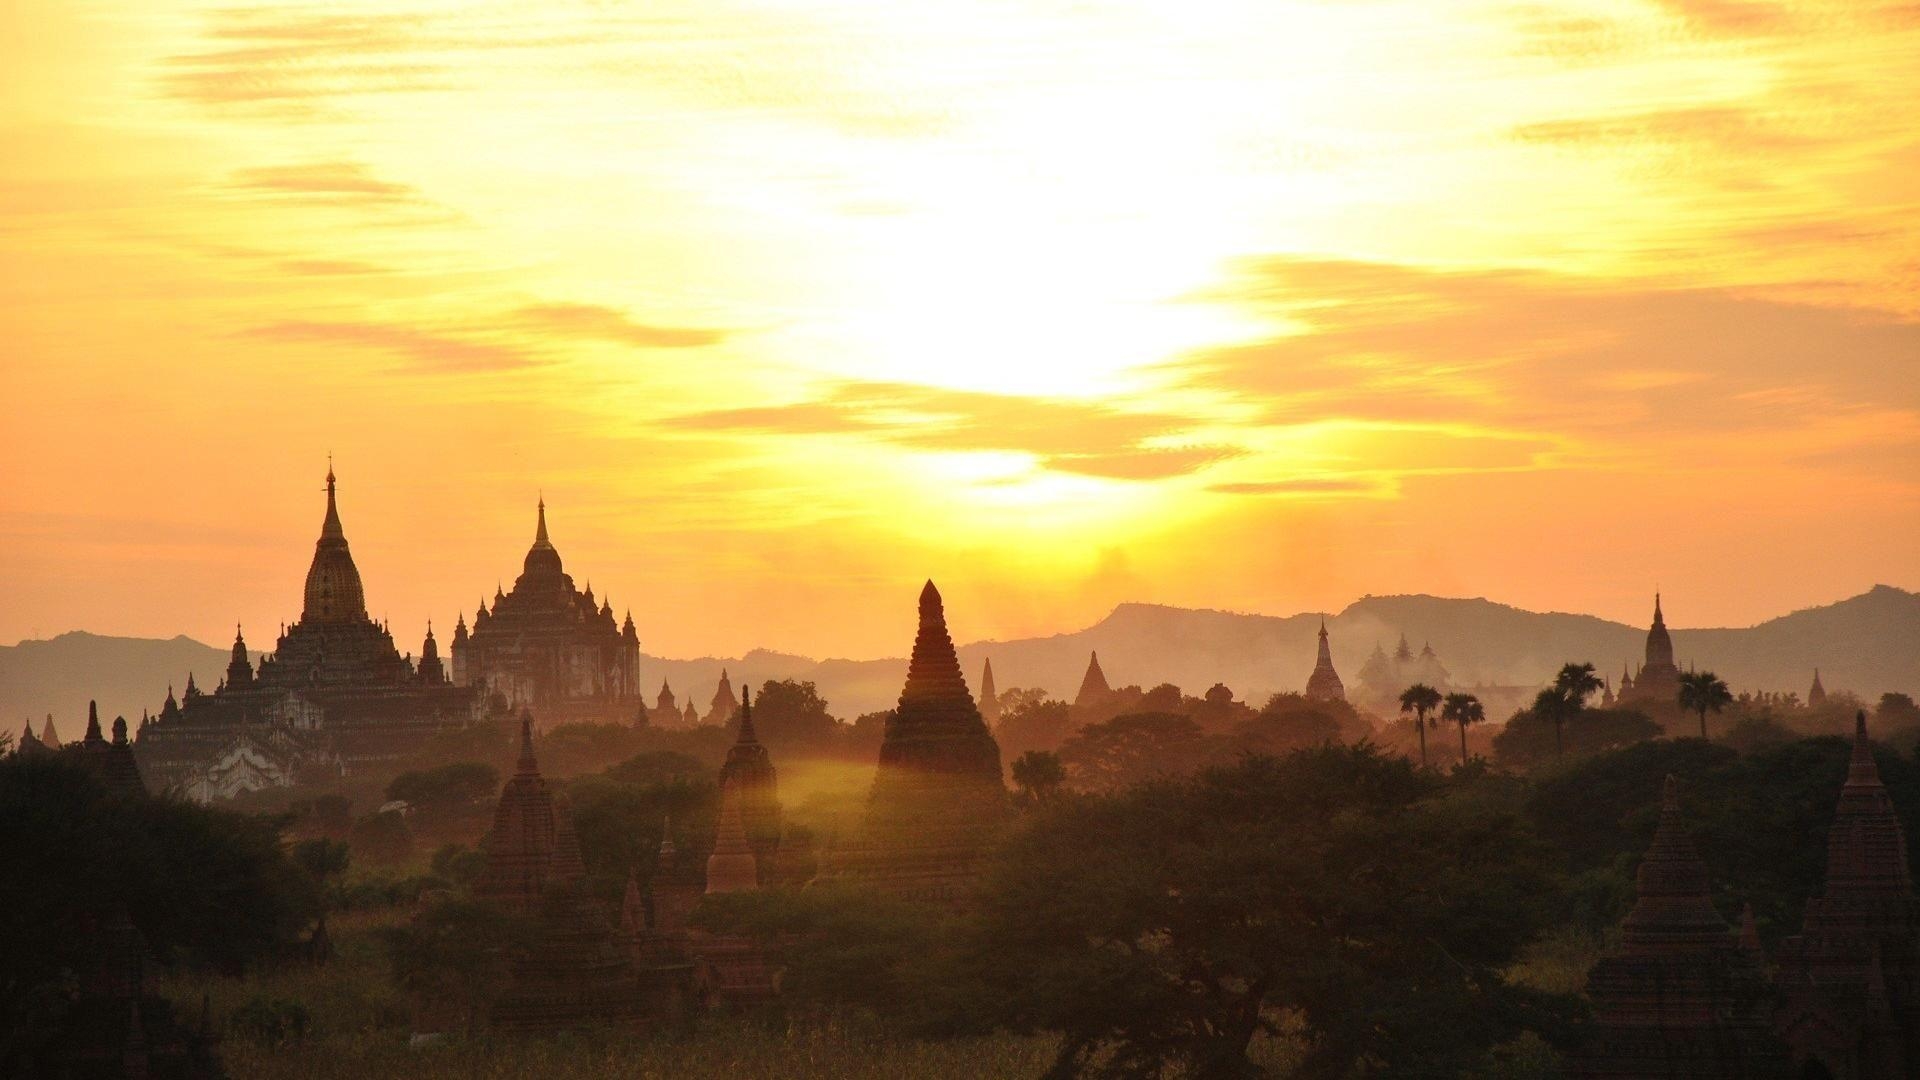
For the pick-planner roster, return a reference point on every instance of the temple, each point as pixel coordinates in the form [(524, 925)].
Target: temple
[(1683, 995), (335, 695), (749, 779), (724, 704), (111, 763), (572, 971), (1657, 683), (1850, 981), (1093, 685), (938, 796), (1816, 694), (989, 696), (1324, 684), (551, 648)]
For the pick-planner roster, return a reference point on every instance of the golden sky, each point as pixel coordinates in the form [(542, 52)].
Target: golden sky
[(788, 306)]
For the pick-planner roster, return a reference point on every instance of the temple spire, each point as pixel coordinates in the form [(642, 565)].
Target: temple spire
[(747, 734), (540, 529), (1094, 683), (93, 723), (330, 528)]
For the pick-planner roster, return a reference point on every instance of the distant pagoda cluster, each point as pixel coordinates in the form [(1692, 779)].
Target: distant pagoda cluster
[(1687, 995), (936, 803)]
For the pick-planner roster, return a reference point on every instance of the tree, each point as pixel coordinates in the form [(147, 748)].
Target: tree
[(1572, 685), (1420, 699), (1701, 692), (1038, 774), (1294, 722), (457, 955), (200, 885), (790, 715), (1463, 709), (1531, 736), (1578, 682), (1129, 749), (1204, 909), (321, 858), (447, 786), (1029, 720)]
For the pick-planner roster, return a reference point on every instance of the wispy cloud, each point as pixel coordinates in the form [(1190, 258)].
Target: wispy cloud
[(423, 349), (612, 324), (325, 183)]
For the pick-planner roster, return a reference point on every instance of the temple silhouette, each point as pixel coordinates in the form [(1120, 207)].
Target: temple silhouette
[(1685, 995), (333, 696), (938, 795), (550, 648)]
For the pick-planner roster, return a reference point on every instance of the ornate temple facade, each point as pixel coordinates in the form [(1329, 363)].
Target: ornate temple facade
[(334, 695), (550, 648), (1683, 995), (1324, 684), (1657, 683), (938, 796)]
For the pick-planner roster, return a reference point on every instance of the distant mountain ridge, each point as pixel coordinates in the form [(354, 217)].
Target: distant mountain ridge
[(1868, 644)]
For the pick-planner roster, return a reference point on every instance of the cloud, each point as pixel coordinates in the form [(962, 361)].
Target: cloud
[(1723, 126), (612, 324), (1300, 486), (434, 351), (1084, 437), (1587, 367), (325, 183)]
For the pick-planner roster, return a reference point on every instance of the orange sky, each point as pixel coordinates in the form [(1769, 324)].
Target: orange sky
[(787, 306)]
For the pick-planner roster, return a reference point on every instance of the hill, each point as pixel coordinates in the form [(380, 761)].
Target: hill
[(1869, 644)]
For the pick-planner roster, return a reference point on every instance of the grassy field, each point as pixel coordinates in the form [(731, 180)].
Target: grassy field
[(358, 1028)]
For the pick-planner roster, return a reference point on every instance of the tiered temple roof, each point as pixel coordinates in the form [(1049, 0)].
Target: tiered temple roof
[(1324, 684), (572, 972), (553, 648), (111, 763), (1683, 995), (1093, 685), (989, 696), (532, 847), (1851, 980), (938, 795), (750, 775), (1657, 683)]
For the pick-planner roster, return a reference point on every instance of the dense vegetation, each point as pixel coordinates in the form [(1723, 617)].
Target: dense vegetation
[(1194, 888)]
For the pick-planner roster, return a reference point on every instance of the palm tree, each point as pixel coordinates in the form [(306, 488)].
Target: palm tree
[(1463, 709), (1701, 692), (1578, 682), (1420, 699), (1553, 704)]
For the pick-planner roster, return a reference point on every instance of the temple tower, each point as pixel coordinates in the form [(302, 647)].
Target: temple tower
[(989, 696), (749, 774), (1816, 694), (1093, 685), (1658, 681), (1682, 996), (724, 703), (732, 866), (239, 666), (333, 592), (1324, 684), (1851, 980), (532, 847), (938, 795), (431, 671)]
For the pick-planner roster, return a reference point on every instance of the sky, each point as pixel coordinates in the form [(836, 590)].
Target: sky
[(786, 307)]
